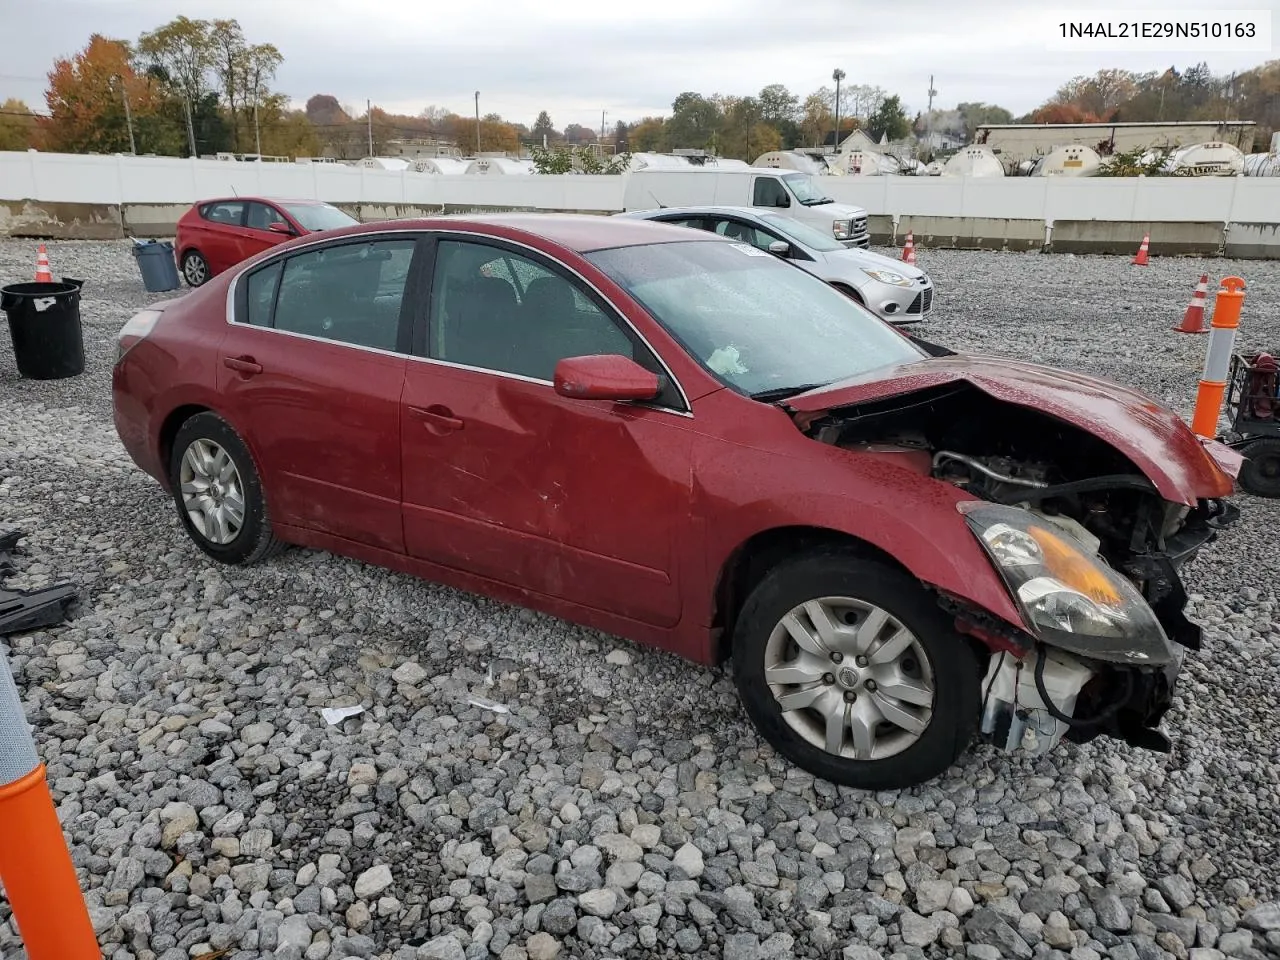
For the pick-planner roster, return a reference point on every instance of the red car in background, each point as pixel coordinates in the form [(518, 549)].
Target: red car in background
[(215, 235)]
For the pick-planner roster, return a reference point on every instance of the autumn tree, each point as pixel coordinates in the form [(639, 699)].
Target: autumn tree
[(324, 110), (86, 102), (817, 118), (647, 136), (18, 129)]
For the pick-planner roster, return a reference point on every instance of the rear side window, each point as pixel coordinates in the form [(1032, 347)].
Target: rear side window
[(230, 212), (350, 293), (261, 294)]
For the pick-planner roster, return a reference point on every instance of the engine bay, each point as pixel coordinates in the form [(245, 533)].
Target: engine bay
[(1014, 455)]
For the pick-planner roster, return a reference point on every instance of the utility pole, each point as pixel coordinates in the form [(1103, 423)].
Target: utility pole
[(477, 123), (602, 130), (257, 95), (128, 114), (837, 76), (368, 109), (191, 129), (928, 117)]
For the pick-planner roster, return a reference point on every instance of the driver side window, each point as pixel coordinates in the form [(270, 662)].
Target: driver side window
[(769, 192), (745, 233)]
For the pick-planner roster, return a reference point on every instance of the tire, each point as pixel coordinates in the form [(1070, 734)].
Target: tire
[(241, 543), (947, 665), (1260, 474), (195, 268)]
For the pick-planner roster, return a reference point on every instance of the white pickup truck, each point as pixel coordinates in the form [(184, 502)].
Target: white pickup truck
[(801, 195)]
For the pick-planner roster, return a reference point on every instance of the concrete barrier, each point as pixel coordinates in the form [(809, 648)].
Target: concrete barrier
[(1167, 239), (69, 196)]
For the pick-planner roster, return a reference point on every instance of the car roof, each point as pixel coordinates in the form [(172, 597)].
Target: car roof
[(258, 199), (582, 233), (694, 210)]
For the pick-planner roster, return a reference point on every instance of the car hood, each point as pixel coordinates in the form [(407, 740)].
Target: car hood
[(1157, 441), (836, 210), (858, 259)]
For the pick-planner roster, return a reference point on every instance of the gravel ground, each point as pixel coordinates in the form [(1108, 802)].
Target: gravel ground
[(620, 805)]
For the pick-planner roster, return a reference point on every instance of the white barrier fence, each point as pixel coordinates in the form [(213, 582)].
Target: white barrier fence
[(124, 180)]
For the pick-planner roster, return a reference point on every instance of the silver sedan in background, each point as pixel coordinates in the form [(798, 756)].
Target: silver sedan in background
[(891, 289)]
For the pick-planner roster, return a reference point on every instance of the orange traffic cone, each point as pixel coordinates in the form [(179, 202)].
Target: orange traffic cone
[(1193, 320), (1141, 259), (909, 251), (43, 273)]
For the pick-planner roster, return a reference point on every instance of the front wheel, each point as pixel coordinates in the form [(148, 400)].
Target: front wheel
[(850, 671)]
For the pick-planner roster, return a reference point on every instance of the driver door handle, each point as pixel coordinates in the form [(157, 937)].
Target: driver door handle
[(245, 365), (438, 416)]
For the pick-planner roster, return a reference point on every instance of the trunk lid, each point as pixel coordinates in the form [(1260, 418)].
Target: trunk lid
[(1153, 437)]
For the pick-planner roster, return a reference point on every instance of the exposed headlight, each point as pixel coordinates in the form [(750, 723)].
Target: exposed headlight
[(842, 229), (888, 276), (1070, 599)]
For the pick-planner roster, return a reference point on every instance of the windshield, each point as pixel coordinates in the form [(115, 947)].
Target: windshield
[(756, 322), (806, 190), (803, 233), (319, 216)]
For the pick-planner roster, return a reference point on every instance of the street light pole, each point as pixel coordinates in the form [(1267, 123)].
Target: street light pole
[(837, 76), (368, 110), (477, 123)]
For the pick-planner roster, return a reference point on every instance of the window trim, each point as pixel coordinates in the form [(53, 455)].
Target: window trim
[(238, 291), (422, 277), (244, 211), (421, 339)]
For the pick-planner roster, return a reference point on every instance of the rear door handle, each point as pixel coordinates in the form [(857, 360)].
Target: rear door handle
[(437, 416), (246, 365)]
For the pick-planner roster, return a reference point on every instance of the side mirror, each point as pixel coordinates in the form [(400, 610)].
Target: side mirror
[(780, 248), (784, 201), (281, 227), (604, 377)]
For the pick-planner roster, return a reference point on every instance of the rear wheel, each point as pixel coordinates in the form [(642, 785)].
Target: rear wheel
[(218, 492), (1260, 474), (195, 269), (850, 671)]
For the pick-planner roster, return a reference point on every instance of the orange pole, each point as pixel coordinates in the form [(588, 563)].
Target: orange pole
[(39, 878), (1217, 362)]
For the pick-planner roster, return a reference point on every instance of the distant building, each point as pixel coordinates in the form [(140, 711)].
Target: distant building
[(1015, 142), (421, 149), (858, 140)]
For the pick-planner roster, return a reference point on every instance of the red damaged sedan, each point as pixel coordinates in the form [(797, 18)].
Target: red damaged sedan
[(673, 437)]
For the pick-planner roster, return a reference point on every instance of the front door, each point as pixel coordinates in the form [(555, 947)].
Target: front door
[(576, 499), (258, 235), (313, 376)]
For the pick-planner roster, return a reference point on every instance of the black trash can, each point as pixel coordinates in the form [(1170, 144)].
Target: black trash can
[(157, 265), (44, 324)]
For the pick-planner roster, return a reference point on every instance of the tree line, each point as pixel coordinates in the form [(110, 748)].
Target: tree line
[(203, 87)]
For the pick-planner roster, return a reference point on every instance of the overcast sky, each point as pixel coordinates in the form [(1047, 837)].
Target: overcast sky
[(630, 59)]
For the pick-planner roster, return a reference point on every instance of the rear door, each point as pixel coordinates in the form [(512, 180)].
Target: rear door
[(220, 234), (312, 370)]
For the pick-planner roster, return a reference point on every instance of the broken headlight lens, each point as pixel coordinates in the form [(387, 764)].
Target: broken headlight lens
[(1069, 597)]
